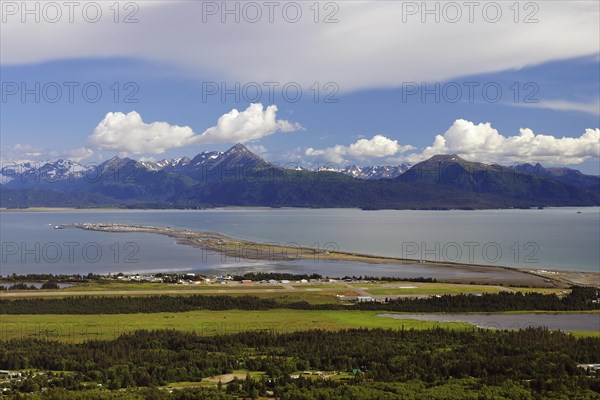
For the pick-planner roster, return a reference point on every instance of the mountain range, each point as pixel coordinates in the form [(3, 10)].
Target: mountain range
[(66, 169), (241, 178)]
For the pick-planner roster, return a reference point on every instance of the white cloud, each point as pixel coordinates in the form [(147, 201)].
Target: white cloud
[(258, 149), (290, 158), (129, 134), (76, 155), (475, 142), (378, 146), (22, 153), (483, 143), (564, 105), (370, 46), (252, 124)]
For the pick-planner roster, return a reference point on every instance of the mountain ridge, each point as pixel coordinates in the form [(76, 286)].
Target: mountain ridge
[(239, 177), (48, 169)]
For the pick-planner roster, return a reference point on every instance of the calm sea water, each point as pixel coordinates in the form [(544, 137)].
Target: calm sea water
[(559, 238), (569, 322)]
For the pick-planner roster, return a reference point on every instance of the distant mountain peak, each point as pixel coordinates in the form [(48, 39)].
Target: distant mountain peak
[(116, 160), (562, 174), (536, 169), (240, 177), (240, 147), (239, 155), (446, 158)]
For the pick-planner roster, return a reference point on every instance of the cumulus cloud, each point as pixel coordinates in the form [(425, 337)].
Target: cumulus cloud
[(251, 124), (476, 142), (377, 146), (129, 134), (481, 142)]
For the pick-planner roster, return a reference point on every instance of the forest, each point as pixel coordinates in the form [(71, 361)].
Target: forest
[(365, 363), (382, 364), (580, 299)]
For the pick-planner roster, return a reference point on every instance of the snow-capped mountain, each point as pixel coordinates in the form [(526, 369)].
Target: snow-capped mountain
[(165, 164), (32, 172), (368, 172), (239, 177), (203, 165), (237, 155), (376, 172), (29, 173)]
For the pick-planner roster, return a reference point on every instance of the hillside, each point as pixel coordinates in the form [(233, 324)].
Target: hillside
[(240, 177)]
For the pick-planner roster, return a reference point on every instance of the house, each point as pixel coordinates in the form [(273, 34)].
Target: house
[(590, 367), (285, 281), (364, 299), (272, 281), (10, 374)]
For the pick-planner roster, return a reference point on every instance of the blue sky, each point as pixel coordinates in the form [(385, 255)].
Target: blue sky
[(378, 117)]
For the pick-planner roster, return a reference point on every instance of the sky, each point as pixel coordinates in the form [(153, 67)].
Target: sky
[(310, 83)]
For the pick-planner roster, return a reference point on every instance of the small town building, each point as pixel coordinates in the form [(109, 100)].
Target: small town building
[(364, 299)]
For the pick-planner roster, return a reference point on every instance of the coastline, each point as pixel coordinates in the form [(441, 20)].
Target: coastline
[(564, 274), (233, 208), (62, 209), (245, 249)]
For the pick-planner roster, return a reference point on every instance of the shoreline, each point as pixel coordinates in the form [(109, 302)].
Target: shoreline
[(62, 209), (234, 208), (245, 249)]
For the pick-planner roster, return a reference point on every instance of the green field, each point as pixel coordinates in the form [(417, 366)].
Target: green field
[(412, 288), (586, 333), (78, 328), (375, 288), (132, 286)]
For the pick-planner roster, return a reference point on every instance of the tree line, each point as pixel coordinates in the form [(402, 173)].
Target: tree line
[(23, 286), (580, 299)]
